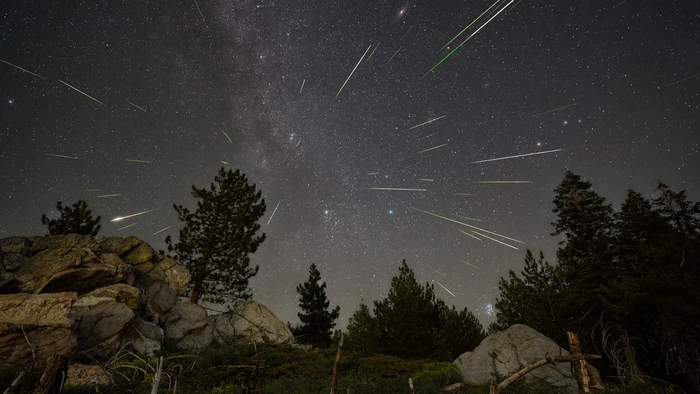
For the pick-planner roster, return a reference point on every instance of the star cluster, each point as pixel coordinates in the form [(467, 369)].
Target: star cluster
[(252, 85)]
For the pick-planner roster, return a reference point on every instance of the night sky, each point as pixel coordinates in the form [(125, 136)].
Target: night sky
[(627, 73)]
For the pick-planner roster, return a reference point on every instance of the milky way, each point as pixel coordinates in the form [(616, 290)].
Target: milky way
[(178, 89)]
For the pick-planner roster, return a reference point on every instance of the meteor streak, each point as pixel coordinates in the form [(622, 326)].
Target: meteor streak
[(229, 138), (463, 194), (302, 86), (476, 220), (373, 173), (138, 161), (503, 182), (468, 225), (395, 189), (18, 67), (470, 264), (684, 79), (425, 123), (516, 156), (298, 143), (446, 289), (273, 213), (473, 34), (435, 147), (495, 240), (426, 180), (62, 156), (200, 13), (429, 135), (392, 56), (132, 224), (552, 110), (225, 162), (353, 71), (463, 30), (93, 190), (370, 55), (466, 233), (160, 231), (437, 271), (109, 195), (136, 106), (131, 216), (84, 94)]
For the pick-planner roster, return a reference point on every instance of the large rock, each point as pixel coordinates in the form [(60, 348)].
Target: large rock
[(158, 300), (119, 292), (177, 277), (506, 352), (42, 320), (249, 322), (187, 327), (143, 337), (118, 245), (66, 269), (99, 322), (87, 375), (19, 245), (68, 241)]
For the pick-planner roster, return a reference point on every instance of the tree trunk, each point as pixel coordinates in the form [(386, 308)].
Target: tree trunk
[(54, 377), (579, 366), (336, 367)]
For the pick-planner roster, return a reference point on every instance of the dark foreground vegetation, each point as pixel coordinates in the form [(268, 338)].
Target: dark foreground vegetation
[(275, 369)]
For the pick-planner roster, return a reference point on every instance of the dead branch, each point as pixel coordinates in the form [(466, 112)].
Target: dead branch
[(28, 343), (14, 383), (549, 360), (157, 375), (336, 367)]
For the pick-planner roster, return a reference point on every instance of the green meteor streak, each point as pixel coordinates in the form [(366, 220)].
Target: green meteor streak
[(136, 106), (471, 265), (353, 71), (495, 240), (436, 271), (370, 55), (463, 194), (138, 161), (160, 231), (552, 110), (476, 220), (93, 190), (62, 156), (132, 224), (446, 289), (463, 30), (224, 162), (200, 13), (425, 123), (684, 79), (273, 212), (435, 147), (466, 233), (229, 139), (297, 143), (109, 195), (460, 45), (373, 173), (36, 75), (429, 135), (464, 224), (392, 56), (83, 93)]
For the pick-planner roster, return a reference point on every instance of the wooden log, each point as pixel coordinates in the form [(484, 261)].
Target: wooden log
[(579, 366), (336, 367), (549, 360)]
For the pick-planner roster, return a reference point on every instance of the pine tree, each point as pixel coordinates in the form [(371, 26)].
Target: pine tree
[(532, 300), (463, 332), (586, 255), (363, 333), (317, 321), (75, 219), (218, 237)]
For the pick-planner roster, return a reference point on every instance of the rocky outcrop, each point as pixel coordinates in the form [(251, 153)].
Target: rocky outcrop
[(34, 327), (143, 337), (187, 326), (506, 352), (98, 324), (249, 322)]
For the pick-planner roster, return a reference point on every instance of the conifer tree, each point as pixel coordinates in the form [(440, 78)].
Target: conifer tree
[(463, 332), (317, 321), (218, 237), (532, 300), (363, 333), (75, 219)]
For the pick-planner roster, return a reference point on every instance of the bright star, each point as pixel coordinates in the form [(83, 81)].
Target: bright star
[(566, 122), (11, 101), (391, 212)]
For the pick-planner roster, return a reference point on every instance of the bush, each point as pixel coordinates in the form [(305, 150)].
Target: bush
[(299, 385), (441, 374)]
